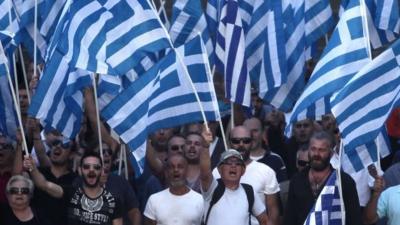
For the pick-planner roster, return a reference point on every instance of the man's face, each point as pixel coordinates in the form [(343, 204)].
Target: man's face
[(23, 101), (240, 139), (303, 130), (254, 125), (5, 152), (176, 170), (231, 169), (59, 151), (160, 138), (319, 154), (91, 171), (176, 145), (194, 144)]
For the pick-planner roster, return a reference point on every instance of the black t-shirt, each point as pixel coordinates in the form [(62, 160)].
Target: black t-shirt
[(7, 217), (54, 208), (83, 210)]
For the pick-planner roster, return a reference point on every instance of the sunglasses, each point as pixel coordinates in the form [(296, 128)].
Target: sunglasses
[(237, 141), (96, 167), (5, 146), (177, 147), (22, 191), (63, 145), (108, 151), (302, 163)]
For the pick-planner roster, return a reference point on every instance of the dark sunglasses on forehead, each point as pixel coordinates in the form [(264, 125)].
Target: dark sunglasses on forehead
[(5, 147), (15, 190), (94, 166), (302, 163), (237, 141), (63, 145)]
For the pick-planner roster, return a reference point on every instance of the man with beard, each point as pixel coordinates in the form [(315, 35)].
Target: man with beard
[(58, 172), (178, 204), (90, 203), (305, 186), (260, 176)]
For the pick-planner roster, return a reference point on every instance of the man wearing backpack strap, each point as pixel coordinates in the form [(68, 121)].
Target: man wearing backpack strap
[(228, 201)]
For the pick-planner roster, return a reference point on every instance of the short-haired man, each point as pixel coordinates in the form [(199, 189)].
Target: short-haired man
[(306, 185), (90, 203), (233, 206), (178, 204)]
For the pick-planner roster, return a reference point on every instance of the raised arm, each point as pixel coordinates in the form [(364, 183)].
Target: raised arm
[(206, 176), (40, 181), (43, 158), (154, 162), (370, 214)]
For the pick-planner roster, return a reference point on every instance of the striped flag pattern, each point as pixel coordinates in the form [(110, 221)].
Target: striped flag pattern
[(58, 100), (230, 54), (345, 54), (8, 118), (362, 106), (162, 98), (304, 23), (187, 21), (9, 26), (327, 208)]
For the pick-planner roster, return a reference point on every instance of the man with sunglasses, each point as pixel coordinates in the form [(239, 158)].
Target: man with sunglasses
[(90, 202), (59, 172), (260, 176)]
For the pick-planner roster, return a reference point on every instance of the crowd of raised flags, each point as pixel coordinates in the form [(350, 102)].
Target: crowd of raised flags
[(155, 73)]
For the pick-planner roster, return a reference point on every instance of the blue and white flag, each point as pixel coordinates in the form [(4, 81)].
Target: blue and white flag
[(162, 13), (9, 27), (162, 98), (383, 20), (327, 208), (265, 46), (58, 101), (304, 23), (362, 106), (230, 54), (8, 117), (188, 20), (345, 54)]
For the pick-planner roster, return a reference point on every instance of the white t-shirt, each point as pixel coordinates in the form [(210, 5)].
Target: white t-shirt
[(232, 207), (261, 177), (167, 208)]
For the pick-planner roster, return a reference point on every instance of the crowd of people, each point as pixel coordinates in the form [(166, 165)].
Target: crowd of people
[(190, 177)]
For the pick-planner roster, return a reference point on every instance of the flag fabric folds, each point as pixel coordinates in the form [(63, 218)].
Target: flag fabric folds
[(327, 208), (304, 23), (345, 54), (187, 22), (230, 54), (58, 101), (162, 98), (362, 106)]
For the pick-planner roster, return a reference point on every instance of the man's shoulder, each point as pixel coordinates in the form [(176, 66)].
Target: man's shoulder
[(260, 167)]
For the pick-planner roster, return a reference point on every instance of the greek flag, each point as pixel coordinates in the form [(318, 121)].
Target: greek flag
[(58, 100), (161, 98), (327, 208), (383, 20), (187, 21), (8, 118), (345, 54), (304, 23), (362, 106), (230, 54), (9, 27), (354, 160), (265, 46)]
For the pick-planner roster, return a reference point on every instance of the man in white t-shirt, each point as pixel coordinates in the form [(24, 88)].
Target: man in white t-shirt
[(178, 204), (233, 206), (260, 176)]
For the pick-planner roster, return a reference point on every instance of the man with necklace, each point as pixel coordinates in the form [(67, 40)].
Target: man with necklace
[(305, 186)]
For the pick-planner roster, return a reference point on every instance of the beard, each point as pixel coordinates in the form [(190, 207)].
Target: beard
[(85, 180), (244, 152), (319, 164)]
